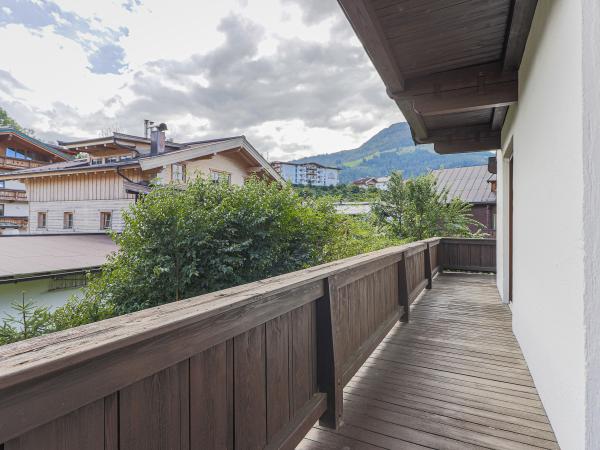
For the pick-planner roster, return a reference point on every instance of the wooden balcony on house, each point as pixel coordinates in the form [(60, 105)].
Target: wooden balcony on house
[(19, 221), (12, 195), (382, 349), (7, 163)]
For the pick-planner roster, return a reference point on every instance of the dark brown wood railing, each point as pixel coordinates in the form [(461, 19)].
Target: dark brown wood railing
[(249, 367), (477, 255)]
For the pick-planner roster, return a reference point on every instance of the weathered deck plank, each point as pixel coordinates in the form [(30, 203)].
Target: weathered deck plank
[(453, 377)]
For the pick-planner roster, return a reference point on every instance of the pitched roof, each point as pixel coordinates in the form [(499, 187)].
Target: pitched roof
[(470, 184), (27, 256), (47, 147), (146, 162), (65, 166)]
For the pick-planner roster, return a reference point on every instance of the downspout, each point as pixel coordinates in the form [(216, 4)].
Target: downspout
[(137, 196)]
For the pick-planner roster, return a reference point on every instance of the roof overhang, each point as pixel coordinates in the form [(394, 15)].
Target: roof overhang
[(21, 175), (204, 150), (55, 154), (451, 67)]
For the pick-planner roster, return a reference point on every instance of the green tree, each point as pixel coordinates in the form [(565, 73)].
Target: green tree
[(27, 321), (178, 243), (415, 209), (7, 121)]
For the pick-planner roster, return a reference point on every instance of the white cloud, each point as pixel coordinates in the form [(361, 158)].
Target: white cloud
[(287, 73)]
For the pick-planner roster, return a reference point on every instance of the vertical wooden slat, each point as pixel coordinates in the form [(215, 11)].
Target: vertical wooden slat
[(250, 389), (329, 378), (428, 274), (81, 429), (150, 411), (302, 373), (111, 422), (278, 374), (209, 409), (403, 290)]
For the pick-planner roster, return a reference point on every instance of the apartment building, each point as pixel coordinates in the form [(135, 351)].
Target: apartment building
[(307, 174)]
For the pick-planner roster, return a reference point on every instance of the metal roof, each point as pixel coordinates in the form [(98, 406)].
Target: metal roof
[(29, 256), (470, 184)]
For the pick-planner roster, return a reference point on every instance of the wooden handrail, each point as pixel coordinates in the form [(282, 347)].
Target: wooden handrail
[(253, 365)]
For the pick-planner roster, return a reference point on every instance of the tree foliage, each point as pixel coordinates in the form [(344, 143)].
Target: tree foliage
[(415, 209), (178, 243), (341, 192), (7, 121)]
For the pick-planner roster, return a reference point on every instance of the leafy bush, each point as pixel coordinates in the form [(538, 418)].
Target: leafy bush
[(178, 243), (414, 209)]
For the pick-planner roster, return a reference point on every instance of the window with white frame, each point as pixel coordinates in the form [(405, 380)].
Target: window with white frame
[(178, 172), (218, 176), (68, 220), (42, 219), (105, 220)]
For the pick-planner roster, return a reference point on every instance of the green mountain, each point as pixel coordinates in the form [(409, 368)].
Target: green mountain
[(393, 149)]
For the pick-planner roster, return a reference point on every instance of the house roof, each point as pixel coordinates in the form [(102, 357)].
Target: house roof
[(451, 66), (37, 256), (31, 140), (187, 152), (470, 184), (365, 180)]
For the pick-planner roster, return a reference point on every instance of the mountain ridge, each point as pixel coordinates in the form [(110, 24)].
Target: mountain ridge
[(391, 149)]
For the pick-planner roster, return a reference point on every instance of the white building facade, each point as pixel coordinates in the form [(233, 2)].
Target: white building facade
[(307, 174), (551, 144)]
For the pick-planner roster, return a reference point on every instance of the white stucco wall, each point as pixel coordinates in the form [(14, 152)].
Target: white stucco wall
[(591, 204), (545, 132)]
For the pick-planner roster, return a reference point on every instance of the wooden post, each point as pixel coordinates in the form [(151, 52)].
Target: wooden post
[(428, 268), (329, 377), (403, 289)]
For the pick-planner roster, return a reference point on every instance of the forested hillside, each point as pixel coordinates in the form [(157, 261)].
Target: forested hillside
[(393, 149)]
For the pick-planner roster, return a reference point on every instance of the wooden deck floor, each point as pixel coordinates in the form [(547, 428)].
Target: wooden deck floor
[(452, 378)]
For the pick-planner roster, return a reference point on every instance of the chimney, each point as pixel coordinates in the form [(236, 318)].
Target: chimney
[(157, 139)]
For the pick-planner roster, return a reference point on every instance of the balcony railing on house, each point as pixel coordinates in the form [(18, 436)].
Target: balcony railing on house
[(249, 367), (12, 195), (20, 221), (9, 163)]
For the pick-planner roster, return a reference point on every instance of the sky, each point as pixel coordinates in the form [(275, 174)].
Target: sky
[(290, 75)]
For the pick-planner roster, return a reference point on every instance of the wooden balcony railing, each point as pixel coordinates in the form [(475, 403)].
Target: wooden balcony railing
[(8, 195), (15, 163), (21, 221), (251, 367)]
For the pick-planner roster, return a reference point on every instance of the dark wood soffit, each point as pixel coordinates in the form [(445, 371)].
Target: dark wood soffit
[(486, 87)]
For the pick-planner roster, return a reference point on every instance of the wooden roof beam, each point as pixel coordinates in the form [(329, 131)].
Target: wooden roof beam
[(520, 23), (465, 139), (366, 25), (462, 100)]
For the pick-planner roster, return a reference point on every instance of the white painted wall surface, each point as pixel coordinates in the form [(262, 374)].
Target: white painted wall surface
[(545, 129), (86, 215), (16, 209), (591, 225), (224, 163)]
